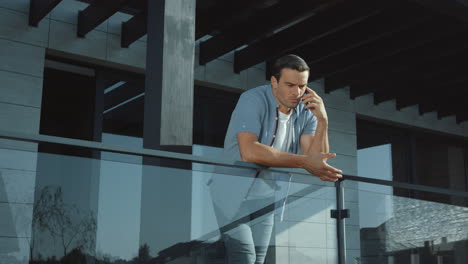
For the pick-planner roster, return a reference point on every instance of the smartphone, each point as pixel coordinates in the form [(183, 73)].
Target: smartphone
[(306, 92)]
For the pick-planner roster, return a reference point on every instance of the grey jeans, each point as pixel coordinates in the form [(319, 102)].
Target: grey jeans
[(248, 241)]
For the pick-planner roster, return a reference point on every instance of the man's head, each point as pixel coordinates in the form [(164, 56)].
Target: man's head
[(289, 81)]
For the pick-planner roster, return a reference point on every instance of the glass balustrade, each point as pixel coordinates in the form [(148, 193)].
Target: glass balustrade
[(119, 209), (136, 206)]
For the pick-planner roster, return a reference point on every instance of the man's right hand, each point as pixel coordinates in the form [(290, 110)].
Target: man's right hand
[(316, 163)]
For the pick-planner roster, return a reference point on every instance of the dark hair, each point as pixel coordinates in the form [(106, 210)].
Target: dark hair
[(290, 61)]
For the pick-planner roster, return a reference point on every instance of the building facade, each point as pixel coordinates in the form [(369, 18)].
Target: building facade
[(61, 201)]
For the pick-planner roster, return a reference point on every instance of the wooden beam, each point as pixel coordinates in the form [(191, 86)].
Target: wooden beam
[(96, 13), (462, 117), (405, 61), (426, 107), (427, 74), (425, 100), (383, 48), (406, 102), (422, 93), (331, 85), (323, 23), (38, 9), (454, 103), (394, 19), (444, 113), (226, 14), (266, 22), (455, 8), (382, 97), (431, 99), (357, 90), (134, 29), (449, 110), (411, 89)]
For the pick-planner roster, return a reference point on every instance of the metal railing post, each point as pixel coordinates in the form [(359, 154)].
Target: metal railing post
[(340, 214)]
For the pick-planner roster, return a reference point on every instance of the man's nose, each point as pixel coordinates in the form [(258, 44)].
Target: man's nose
[(297, 92)]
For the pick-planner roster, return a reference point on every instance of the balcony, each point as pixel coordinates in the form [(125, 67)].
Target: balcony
[(117, 204)]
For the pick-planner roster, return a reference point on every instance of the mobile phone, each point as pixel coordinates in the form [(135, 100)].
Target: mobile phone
[(306, 92)]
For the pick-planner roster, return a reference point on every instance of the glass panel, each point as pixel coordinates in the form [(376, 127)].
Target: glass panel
[(60, 208), (384, 228)]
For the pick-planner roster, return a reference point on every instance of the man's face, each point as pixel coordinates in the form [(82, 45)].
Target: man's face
[(289, 89)]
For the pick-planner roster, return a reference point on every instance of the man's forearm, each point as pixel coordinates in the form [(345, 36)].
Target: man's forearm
[(269, 156), (313, 162), (320, 143), (253, 151)]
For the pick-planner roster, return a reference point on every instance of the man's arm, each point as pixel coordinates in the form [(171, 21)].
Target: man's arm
[(317, 142), (252, 150)]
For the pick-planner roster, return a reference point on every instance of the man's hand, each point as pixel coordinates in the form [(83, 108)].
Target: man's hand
[(315, 104), (316, 163)]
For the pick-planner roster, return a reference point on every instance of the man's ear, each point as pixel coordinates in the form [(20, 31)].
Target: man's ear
[(274, 82)]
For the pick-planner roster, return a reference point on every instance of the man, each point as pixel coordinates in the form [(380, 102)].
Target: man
[(284, 125)]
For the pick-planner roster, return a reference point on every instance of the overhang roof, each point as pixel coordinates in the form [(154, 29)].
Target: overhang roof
[(413, 51)]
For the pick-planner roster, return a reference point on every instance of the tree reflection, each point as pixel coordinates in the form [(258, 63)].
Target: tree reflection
[(68, 226), (188, 252), (73, 230), (143, 255)]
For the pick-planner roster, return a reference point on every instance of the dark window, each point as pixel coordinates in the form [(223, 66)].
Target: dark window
[(67, 110), (211, 115), (83, 106)]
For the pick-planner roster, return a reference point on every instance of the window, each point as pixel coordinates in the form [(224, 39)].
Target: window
[(211, 116), (419, 157)]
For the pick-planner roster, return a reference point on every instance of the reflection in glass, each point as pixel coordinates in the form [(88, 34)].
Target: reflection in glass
[(67, 209), (393, 229), (426, 225), (413, 231)]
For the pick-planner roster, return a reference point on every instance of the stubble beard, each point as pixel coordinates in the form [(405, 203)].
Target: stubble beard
[(289, 105)]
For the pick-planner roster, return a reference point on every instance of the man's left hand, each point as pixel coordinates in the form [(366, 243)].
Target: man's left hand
[(315, 104)]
